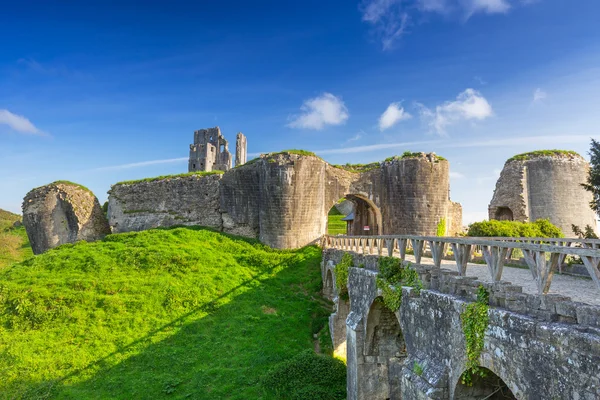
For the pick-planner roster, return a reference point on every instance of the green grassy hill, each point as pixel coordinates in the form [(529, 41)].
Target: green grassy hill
[(14, 244), (177, 313)]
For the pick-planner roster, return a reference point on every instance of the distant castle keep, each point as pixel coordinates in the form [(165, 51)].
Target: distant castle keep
[(210, 151), (544, 184)]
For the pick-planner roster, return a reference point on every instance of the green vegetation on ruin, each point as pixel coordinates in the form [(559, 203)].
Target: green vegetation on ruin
[(335, 225), (392, 276), (474, 321), (358, 167), (494, 228), (14, 243), (163, 177), (180, 313), (544, 153), (410, 154)]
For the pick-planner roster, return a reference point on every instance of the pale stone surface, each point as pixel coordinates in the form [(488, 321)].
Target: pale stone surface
[(210, 151), (544, 187), (241, 149), (62, 213)]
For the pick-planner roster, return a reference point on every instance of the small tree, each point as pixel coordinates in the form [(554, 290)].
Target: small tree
[(593, 180)]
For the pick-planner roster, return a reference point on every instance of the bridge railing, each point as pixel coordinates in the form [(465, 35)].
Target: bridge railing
[(541, 258)]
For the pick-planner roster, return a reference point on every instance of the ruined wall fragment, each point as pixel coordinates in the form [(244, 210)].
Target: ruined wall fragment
[(62, 212)]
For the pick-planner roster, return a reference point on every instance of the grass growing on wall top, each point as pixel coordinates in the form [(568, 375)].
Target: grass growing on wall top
[(359, 167), (14, 243), (160, 178), (181, 313), (543, 153)]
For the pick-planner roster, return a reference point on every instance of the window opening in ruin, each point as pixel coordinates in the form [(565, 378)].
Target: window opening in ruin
[(193, 165), (383, 334), (490, 387), (222, 148), (504, 214)]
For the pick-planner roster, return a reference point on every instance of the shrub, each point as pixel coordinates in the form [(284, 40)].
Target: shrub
[(308, 376), (495, 228)]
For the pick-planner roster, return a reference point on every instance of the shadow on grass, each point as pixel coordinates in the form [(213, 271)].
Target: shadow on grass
[(219, 350)]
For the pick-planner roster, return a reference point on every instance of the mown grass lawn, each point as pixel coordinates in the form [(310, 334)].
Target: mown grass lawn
[(335, 225), (177, 313)]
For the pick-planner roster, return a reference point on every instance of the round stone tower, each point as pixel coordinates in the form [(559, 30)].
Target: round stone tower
[(416, 188), (544, 184)]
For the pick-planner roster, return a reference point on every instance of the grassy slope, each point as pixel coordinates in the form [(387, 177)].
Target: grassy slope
[(179, 313), (14, 244), (335, 225)]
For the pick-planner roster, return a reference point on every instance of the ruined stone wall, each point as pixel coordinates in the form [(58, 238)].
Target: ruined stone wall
[(284, 199), (60, 213), (454, 219), (241, 151), (187, 200), (544, 187), (292, 200), (414, 195), (555, 192), (542, 347)]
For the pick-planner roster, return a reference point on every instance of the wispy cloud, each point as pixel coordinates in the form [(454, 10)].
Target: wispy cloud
[(141, 164), (469, 105), (387, 18), (390, 19), (320, 111), (356, 137), (539, 95), (456, 175), (392, 115), (19, 123)]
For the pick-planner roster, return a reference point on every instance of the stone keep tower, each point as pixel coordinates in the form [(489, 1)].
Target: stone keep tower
[(544, 184), (240, 149), (210, 151)]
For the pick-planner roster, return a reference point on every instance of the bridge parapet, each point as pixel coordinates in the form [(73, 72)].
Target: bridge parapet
[(541, 346), (543, 256)]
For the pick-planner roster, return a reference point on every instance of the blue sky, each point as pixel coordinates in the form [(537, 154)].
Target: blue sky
[(99, 92)]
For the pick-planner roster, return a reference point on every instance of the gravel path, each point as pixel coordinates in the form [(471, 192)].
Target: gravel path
[(578, 289)]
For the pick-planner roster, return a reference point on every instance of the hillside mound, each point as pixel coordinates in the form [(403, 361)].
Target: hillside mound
[(14, 244), (182, 312)]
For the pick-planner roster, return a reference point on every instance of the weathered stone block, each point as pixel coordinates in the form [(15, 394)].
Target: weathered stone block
[(62, 212)]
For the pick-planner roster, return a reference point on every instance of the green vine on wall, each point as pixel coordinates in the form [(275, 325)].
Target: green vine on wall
[(392, 276), (475, 320), (341, 274)]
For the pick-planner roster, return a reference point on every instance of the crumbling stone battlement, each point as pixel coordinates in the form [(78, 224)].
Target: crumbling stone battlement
[(210, 151)]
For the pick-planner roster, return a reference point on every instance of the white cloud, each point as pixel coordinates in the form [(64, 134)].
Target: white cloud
[(18, 123), (469, 105), (354, 138), (456, 175), (391, 18), (471, 7), (539, 95), (392, 115), (326, 109), (387, 18)]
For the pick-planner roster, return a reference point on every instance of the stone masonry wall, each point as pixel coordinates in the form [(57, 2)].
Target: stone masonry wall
[(542, 347), (188, 200)]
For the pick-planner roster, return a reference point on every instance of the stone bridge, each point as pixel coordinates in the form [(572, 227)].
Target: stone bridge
[(536, 346)]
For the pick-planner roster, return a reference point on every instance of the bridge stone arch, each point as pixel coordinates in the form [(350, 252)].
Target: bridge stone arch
[(490, 386), (384, 351)]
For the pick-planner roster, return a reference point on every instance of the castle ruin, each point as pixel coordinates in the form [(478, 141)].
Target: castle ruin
[(544, 184), (210, 151)]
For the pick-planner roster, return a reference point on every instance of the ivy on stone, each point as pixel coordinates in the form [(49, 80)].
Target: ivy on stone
[(341, 273), (475, 320), (392, 276)]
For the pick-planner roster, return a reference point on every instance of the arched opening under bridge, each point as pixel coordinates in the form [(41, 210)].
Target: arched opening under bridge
[(489, 387)]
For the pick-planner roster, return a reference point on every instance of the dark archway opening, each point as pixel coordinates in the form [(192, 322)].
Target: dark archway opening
[(354, 215), (504, 214), (489, 387), (384, 353)]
